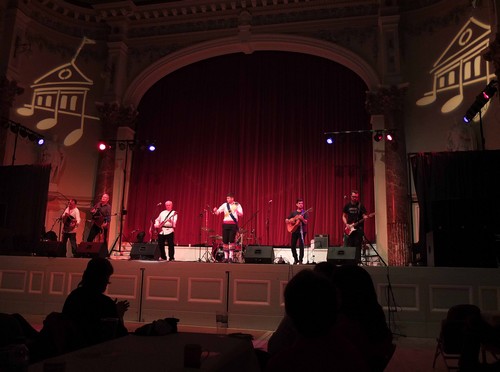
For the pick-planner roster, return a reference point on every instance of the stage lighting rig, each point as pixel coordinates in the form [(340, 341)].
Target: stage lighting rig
[(378, 134), (131, 145), (481, 100), (20, 130)]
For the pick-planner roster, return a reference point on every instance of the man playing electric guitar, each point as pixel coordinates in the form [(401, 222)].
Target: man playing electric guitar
[(101, 216), (166, 223), (297, 225), (353, 216)]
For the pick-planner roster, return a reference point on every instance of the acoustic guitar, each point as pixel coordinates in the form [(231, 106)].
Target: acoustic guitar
[(69, 222), (294, 222), (352, 227)]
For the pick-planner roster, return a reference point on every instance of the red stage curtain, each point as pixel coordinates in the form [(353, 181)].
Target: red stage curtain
[(252, 125)]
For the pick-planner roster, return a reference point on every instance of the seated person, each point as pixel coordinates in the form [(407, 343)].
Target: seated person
[(311, 306), (88, 307), (361, 318)]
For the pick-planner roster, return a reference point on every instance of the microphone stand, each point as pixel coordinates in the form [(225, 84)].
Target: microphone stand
[(267, 221), (123, 211)]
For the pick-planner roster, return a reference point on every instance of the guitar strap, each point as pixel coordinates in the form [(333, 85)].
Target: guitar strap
[(166, 218), (231, 214)]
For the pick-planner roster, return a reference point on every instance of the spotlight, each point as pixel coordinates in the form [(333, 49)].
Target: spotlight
[(378, 137), (330, 140), (389, 136), (152, 147), (102, 146), (41, 141), (481, 99)]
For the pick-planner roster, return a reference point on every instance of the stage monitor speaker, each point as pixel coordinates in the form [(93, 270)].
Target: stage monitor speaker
[(50, 248), (145, 251), (259, 254), (320, 241), (91, 250), (344, 255)]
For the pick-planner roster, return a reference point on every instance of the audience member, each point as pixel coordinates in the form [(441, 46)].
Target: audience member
[(361, 318), (285, 335), (478, 332), (96, 316), (311, 305)]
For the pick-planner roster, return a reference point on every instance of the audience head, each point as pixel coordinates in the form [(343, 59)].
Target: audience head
[(96, 275), (326, 269), (356, 288), (310, 301)]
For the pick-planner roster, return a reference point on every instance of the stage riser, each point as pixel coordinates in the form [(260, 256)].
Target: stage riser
[(193, 291)]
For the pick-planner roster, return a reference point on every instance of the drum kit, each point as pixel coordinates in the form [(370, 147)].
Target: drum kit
[(217, 254)]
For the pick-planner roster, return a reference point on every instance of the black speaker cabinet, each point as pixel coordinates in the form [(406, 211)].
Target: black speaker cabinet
[(91, 250), (145, 251), (344, 255), (51, 249), (259, 254), (320, 241)]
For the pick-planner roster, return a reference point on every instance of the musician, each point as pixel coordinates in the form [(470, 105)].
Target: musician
[(299, 216), (101, 216), (352, 213), (232, 211), (166, 223), (71, 221)]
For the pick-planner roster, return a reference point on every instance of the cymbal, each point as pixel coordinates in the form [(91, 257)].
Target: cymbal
[(215, 237), (207, 229), (242, 231)]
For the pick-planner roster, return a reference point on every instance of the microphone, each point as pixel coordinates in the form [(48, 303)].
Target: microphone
[(345, 196), (270, 201), (160, 203)]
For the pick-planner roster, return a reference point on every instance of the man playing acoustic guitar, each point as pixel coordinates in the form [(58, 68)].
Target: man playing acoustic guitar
[(297, 225), (353, 215), (71, 220)]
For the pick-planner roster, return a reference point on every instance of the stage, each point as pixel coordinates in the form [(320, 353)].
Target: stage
[(415, 298)]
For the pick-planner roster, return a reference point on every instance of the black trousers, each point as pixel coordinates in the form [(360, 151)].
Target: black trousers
[(355, 239), (169, 240), (298, 237), (96, 230), (229, 233), (72, 240)]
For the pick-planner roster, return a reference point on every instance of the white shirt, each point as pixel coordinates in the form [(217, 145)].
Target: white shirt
[(234, 207), (68, 226), (169, 225)]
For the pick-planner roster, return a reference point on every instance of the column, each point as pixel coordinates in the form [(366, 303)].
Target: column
[(389, 102)]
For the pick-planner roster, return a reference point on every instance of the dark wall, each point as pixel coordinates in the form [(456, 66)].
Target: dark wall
[(23, 200)]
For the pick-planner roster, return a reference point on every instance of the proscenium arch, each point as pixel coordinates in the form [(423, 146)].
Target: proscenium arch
[(215, 48), (272, 42)]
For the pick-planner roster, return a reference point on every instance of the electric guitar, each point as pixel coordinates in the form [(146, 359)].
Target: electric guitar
[(293, 223), (158, 229), (351, 227)]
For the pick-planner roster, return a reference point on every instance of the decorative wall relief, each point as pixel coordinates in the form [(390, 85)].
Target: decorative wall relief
[(62, 91)]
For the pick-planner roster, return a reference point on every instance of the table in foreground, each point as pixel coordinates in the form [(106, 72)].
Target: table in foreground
[(157, 353)]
